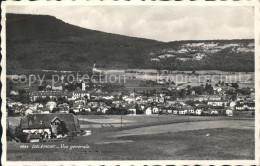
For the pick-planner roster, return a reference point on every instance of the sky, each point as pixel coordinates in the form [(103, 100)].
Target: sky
[(163, 23)]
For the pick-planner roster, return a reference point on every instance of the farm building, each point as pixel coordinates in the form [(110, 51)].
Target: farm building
[(46, 124)]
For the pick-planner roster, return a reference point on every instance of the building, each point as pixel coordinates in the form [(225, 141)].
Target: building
[(198, 111), (148, 111), (51, 105), (45, 110), (229, 112), (217, 102), (155, 110), (57, 86), (51, 94), (46, 124), (14, 93), (80, 94)]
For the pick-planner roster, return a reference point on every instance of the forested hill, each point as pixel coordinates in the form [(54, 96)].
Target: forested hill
[(44, 42)]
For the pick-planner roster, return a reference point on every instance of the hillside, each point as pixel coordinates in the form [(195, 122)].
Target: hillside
[(44, 42)]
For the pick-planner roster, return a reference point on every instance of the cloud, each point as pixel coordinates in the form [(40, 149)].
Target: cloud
[(164, 23)]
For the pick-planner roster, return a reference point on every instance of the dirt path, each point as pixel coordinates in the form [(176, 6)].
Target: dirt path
[(237, 124)]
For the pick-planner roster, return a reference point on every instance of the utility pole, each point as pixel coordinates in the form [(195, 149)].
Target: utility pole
[(188, 117), (121, 119)]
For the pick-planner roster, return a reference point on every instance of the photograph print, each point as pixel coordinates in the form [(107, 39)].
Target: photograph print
[(129, 82)]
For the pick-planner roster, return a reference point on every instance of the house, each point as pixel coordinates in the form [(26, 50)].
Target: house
[(78, 93), (17, 109), (64, 110), (103, 109), (88, 109), (232, 104), (132, 111), (161, 100), (182, 112), (200, 98), (187, 110), (130, 99), (229, 112), (169, 110), (215, 97), (239, 107), (57, 86), (175, 110), (213, 112), (155, 110), (205, 112), (164, 110), (28, 111), (77, 108), (148, 111), (40, 106), (191, 111), (14, 93), (45, 110), (50, 93), (246, 106), (217, 102), (198, 111), (51, 105), (46, 124)]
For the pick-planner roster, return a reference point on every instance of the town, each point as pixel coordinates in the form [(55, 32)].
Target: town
[(51, 111)]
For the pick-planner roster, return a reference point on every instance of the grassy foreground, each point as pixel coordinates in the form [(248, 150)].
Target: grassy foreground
[(213, 144)]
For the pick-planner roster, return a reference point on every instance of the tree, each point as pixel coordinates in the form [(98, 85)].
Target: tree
[(72, 112), (182, 93), (190, 102), (40, 88), (9, 110), (209, 89), (55, 110), (62, 100), (23, 97), (23, 137), (62, 128), (235, 85), (189, 90)]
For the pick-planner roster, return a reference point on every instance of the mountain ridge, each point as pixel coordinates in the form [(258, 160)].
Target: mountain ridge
[(42, 41)]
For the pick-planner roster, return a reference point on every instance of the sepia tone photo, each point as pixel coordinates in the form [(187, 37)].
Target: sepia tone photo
[(142, 82)]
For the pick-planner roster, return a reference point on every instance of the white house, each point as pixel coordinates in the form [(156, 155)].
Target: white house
[(182, 112), (15, 93), (232, 104), (132, 111), (213, 112), (45, 110), (198, 111), (51, 105), (148, 111), (175, 111), (79, 94), (155, 110), (217, 102), (229, 112), (28, 111)]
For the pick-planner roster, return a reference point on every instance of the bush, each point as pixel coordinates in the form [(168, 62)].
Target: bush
[(23, 137)]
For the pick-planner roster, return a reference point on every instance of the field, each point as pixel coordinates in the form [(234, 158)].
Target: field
[(199, 138)]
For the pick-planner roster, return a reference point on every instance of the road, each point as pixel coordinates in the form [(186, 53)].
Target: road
[(176, 127)]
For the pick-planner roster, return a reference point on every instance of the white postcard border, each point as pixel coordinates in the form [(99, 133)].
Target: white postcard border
[(253, 3)]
